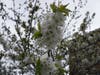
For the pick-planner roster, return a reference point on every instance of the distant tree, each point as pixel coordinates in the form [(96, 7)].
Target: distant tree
[(35, 41)]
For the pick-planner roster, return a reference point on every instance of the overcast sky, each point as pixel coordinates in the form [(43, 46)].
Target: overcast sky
[(92, 6)]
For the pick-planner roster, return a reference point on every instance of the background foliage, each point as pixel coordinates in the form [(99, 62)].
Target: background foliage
[(20, 53)]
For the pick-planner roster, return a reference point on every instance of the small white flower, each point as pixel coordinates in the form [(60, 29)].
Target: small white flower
[(52, 26), (4, 43), (48, 65), (28, 60)]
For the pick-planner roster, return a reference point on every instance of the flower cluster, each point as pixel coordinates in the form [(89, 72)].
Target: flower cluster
[(4, 43), (48, 65), (52, 26)]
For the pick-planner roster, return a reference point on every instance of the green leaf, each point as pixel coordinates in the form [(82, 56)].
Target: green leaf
[(60, 8), (39, 27), (38, 67), (61, 71), (83, 27), (59, 57), (63, 9), (57, 65), (53, 7), (24, 24), (21, 56), (32, 30), (37, 34)]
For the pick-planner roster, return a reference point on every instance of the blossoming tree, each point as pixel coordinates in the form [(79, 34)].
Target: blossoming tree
[(34, 43)]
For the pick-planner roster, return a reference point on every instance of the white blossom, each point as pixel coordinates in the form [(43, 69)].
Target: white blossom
[(4, 43), (52, 26), (48, 65), (28, 60)]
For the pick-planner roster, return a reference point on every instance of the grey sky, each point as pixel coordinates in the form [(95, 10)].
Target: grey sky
[(92, 6)]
